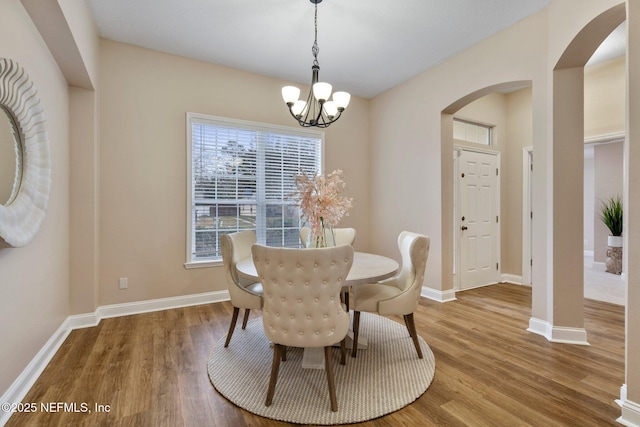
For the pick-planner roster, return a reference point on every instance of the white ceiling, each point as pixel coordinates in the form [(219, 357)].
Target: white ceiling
[(366, 46)]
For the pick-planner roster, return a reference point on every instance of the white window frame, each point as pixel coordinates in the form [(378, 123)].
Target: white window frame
[(242, 124), (471, 126)]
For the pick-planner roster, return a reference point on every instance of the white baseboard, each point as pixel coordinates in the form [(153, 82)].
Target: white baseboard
[(538, 326), (558, 334), (138, 307), (18, 390), (511, 278), (564, 335), (588, 253), (630, 416), (438, 295)]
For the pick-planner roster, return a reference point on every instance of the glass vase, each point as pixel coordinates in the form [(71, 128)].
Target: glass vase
[(325, 239)]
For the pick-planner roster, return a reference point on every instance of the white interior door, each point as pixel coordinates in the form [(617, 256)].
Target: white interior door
[(479, 218)]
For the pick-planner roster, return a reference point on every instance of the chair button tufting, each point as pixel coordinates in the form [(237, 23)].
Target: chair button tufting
[(301, 333), (299, 300), (308, 317)]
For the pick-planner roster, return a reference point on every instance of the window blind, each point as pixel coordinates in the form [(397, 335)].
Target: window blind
[(242, 176)]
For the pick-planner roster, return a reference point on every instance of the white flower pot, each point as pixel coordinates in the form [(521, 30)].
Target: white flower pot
[(614, 241)]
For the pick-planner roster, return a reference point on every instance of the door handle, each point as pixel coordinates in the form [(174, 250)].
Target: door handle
[(464, 227)]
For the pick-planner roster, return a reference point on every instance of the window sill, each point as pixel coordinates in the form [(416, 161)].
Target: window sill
[(202, 264)]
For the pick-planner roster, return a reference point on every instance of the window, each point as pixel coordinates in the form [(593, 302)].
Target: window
[(471, 132), (240, 175)]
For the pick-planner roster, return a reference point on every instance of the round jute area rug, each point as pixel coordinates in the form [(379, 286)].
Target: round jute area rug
[(383, 378)]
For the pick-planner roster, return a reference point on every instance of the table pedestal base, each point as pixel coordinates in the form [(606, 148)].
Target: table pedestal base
[(313, 358)]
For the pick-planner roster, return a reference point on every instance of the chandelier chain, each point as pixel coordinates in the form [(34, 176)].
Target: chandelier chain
[(315, 49)]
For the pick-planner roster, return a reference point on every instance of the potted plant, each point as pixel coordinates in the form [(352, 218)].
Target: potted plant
[(611, 216)]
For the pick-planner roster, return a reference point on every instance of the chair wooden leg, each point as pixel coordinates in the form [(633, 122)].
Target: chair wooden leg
[(346, 299), (343, 352), (275, 368), (356, 327), (406, 323), (328, 367), (283, 352), (234, 319), (246, 318), (411, 325)]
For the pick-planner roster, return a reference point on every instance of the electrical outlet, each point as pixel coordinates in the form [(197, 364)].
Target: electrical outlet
[(123, 283)]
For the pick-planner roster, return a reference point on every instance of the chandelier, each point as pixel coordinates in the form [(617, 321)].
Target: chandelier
[(318, 110)]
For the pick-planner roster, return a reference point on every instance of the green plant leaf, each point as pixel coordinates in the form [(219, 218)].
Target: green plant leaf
[(611, 215)]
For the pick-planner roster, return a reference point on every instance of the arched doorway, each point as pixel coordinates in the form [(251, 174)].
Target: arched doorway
[(448, 221)]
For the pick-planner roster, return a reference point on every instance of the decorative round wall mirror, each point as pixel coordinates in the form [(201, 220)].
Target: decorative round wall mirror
[(25, 167)]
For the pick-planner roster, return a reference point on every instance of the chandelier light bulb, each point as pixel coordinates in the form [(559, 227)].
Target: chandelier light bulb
[(298, 107), (322, 91), (290, 94), (341, 99), (331, 109)]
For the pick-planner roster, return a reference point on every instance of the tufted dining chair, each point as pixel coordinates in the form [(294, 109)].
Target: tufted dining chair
[(398, 295), (244, 294), (343, 236), (302, 303)]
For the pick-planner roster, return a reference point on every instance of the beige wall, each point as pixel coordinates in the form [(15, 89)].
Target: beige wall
[(608, 182), (604, 95), (406, 138), (35, 278), (519, 136), (144, 97), (589, 200)]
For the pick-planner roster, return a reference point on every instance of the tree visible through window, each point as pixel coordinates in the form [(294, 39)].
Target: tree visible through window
[(241, 175)]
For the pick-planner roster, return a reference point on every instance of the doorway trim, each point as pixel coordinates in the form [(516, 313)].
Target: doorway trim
[(527, 216)]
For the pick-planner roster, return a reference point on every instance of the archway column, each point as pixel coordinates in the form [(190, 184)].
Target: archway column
[(560, 315), (567, 322)]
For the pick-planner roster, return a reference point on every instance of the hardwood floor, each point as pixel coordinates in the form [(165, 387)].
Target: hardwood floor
[(151, 369)]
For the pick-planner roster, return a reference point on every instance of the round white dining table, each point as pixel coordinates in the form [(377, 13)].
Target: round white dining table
[(366, 268)]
